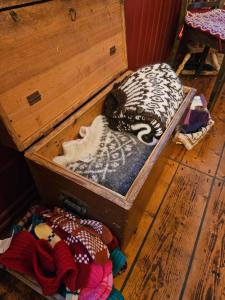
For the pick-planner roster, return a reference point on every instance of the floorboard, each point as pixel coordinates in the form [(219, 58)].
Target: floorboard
[(221, 169), (205, 156), (207, 276), (13, 289), (174, 152), (133, 246), (219, 109), (165, 178), (160, 268), (178, 251), (154, 202)]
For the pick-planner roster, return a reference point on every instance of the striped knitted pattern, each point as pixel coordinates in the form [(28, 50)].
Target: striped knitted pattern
[(145, 102)]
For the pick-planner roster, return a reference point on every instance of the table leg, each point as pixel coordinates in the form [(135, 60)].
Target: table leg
[(181, 66), (202, 61), (218, 85)]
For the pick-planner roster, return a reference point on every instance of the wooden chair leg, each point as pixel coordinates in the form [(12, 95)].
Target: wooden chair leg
[(218, 85), (202, 61), (215, 61), (181, 66), (176, 44), (172, 59)]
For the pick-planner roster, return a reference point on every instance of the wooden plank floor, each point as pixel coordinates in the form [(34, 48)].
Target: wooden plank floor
[(178, 251)]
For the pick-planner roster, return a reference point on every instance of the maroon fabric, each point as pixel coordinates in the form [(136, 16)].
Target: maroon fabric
[(91, 239), (200, 10), (97, 228), (36, 258), (113, 244), (79, 252)]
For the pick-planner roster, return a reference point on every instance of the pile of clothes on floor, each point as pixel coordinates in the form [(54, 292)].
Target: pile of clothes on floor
[(136, 113), (74, 257), (195, 125)]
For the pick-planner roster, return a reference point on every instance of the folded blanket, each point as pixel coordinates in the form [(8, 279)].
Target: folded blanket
[(108, 157), (145, 102)]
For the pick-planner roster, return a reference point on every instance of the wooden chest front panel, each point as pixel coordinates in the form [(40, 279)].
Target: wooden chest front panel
[(123, 222), (4, 4)]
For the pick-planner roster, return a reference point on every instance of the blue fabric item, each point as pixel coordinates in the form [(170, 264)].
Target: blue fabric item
[(36, 220), (118, 260), (115, 295), (17, 228), (119, 158)]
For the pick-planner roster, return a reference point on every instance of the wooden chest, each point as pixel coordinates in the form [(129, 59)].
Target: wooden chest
[(59, 59)]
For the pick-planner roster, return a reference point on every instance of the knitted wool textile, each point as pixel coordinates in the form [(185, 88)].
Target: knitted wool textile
[(36, 258), (145, 102), (119, 261), (115, 295), (57, 214), (73, 232), (81, 257), (212, 22), (89, 250), (110, 158)]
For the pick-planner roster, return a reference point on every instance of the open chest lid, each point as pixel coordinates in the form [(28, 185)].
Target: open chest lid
[(54, 56)]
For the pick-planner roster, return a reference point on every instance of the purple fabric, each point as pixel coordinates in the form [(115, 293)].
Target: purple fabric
[(186, 120), (197, 120), (204, 102)]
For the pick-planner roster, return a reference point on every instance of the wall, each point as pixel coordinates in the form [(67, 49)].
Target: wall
[(151, 26), (16, 186)]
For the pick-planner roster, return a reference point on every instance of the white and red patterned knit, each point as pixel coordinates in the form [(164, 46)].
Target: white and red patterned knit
[(212, 22)]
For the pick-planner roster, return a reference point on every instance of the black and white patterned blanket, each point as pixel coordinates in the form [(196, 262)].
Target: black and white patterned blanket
[(145, 102)]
